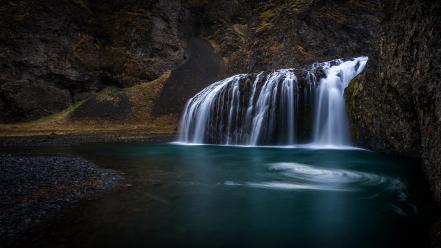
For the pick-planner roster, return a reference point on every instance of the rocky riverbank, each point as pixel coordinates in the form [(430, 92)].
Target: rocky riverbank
[(34, 188)]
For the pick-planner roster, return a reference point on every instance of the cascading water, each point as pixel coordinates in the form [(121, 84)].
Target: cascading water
[(330, 123), (284, 107)]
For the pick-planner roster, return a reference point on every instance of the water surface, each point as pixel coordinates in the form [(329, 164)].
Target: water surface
[(254, 197)]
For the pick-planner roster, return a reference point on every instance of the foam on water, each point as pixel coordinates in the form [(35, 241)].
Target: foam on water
[(325, 175), (312, 146), (296, 176), (283, 186)]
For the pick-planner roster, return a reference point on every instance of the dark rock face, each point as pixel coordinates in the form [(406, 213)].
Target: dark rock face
[(396, 106), (82, 46), (30, 100), (264, 35), (251, 36), (76, 47), (34, 54), (115, 106), (201, 68)]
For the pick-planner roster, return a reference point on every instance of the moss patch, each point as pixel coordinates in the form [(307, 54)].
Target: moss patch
[(266, 17), (297, 6)]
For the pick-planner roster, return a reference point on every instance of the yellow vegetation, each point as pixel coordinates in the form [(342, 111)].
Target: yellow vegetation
[(267, 16)]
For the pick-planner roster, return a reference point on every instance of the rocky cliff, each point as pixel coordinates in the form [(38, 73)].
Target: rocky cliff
[(395, 106), (249, 36), (53, 55)]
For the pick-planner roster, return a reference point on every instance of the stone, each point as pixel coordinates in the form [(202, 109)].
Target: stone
[(27, 100)]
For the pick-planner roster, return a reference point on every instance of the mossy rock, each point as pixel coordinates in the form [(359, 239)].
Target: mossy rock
[(297, 6), (128, 105), (110, 104), (352, 92)]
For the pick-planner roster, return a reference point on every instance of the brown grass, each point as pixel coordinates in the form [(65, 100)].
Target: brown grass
[(266, 17)]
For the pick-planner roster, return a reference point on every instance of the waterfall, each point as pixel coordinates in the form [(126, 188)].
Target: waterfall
[(330, 124), (283, 107)]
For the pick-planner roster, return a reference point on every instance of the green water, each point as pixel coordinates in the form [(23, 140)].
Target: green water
[(252, 197)]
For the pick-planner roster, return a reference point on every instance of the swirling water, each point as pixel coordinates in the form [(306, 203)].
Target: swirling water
[(246, 196), (308, 177)]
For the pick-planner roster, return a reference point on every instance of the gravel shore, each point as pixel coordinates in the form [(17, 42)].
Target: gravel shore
[(33, 188)]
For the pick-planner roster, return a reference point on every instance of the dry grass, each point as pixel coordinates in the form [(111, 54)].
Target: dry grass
[(143, 97), (266, 17)]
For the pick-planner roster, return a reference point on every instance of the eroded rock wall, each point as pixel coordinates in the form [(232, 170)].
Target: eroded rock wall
[(263, 35), (249, 36), (65, 52), (395, 106), (53, 54)]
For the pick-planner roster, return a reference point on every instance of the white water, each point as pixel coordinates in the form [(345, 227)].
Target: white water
[(309, 177), (326, 175), (331, 125), (273, 108)]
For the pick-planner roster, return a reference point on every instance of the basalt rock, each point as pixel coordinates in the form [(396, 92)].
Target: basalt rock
[(396, 104), (84, 46), (284, 34), (252, 36), (75, 48), (23, 99), (111, 104)]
